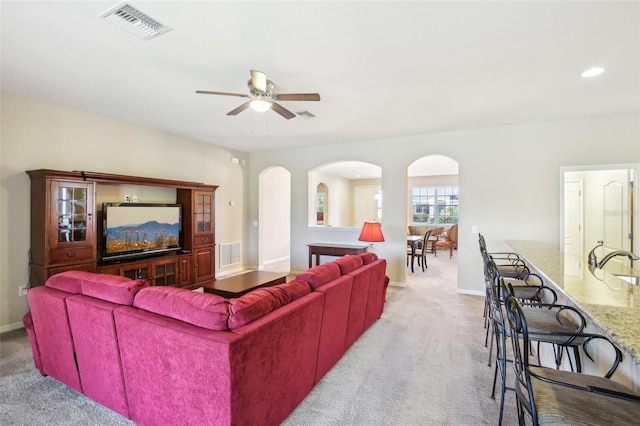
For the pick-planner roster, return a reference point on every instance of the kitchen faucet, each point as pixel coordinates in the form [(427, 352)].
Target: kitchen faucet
[(593, 261)]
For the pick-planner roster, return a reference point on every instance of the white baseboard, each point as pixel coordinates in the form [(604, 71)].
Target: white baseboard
[(231, 271), (472, 292), (281, 259), (11, 327)]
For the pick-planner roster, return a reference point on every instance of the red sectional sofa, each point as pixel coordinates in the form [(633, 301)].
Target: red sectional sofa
[(165, 355)]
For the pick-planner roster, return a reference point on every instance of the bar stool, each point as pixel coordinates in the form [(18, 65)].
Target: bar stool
[(557, 397), (557, 325)]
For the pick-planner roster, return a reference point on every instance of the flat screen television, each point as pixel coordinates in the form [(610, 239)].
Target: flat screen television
[(136, 229)]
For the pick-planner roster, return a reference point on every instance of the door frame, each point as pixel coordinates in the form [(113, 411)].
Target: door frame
[(633, 202)]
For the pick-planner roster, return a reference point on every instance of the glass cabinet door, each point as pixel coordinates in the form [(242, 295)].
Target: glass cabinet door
[(73, 212), (204, 212), (165, 272), (136, 272)]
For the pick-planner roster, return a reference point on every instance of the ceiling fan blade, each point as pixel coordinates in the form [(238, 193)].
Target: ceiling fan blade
[(282, 111), (259, 80), (206, 92), (297, 97), (239, 109)]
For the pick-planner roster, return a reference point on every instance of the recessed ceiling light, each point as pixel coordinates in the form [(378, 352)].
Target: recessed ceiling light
[(592, 72)]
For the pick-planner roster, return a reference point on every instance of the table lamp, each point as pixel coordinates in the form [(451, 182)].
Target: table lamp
[(371, 233)]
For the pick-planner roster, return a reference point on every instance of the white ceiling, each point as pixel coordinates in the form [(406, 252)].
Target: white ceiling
[(383, 69)]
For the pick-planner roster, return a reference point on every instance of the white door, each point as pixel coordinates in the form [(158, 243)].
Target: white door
[(573, 225), (365, 205), (609, 200), (616, 211)]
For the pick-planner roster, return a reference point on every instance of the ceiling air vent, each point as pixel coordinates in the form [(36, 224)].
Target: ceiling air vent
[(134, 21), (305, 114)]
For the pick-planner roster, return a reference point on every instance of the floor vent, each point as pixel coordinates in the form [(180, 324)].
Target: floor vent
[(230, 254), (134, 21)]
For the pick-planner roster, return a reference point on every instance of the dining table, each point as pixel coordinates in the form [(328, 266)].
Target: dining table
[(412, 242)]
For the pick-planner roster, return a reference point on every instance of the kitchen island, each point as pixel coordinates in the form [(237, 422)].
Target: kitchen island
[(610, 303)]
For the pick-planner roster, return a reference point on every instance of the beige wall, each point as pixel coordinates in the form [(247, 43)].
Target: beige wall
[(508, 179), (38, 135)]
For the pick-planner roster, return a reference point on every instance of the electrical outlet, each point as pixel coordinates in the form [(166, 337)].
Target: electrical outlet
[(127, 198), (22, 290)]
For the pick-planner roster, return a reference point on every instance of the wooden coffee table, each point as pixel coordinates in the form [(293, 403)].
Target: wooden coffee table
[(237, 285)]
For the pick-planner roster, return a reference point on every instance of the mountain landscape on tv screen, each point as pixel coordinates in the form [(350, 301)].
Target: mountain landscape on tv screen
[(147, 236)]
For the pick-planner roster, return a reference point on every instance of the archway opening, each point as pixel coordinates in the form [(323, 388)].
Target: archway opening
[(355, 191), (322, 204), (432, 198), (274, 231)]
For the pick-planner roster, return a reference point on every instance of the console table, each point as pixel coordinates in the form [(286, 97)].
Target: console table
[(330, 249)]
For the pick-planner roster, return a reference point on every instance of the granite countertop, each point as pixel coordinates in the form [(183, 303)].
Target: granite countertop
[(612, 304)]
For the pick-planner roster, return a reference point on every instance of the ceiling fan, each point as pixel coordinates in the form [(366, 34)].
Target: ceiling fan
[(263, 98)]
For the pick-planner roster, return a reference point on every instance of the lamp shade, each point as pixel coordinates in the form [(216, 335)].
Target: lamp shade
[(371, 232)]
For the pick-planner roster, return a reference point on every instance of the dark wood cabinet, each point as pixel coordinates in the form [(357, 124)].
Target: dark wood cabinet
[(184, 271), (64, 233), (204, 260), (133, 270), (168, 270), (199, 206), (63, 225), (165, 272)]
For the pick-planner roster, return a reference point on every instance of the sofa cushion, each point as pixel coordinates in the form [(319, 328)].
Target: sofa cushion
[(202, 309), (112, 288), (321, 274), (257, 303), (368, 257), (418, 230), (69, 281), (348, 263)]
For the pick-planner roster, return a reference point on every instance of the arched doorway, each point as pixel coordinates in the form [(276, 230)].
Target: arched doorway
[(432, 194), (322, 204), (274, 219), (355, 191)]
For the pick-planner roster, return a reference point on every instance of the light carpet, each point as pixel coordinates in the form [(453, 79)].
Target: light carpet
[(422, 363)]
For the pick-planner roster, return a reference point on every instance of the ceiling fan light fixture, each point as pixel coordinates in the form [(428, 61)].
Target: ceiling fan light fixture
[(260, 105)]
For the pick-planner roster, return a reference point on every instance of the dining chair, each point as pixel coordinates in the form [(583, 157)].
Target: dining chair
[(560, 397), (436, 234), (420, 252)]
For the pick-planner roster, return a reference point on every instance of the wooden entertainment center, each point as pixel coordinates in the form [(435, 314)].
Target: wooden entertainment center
[(64, 230)]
